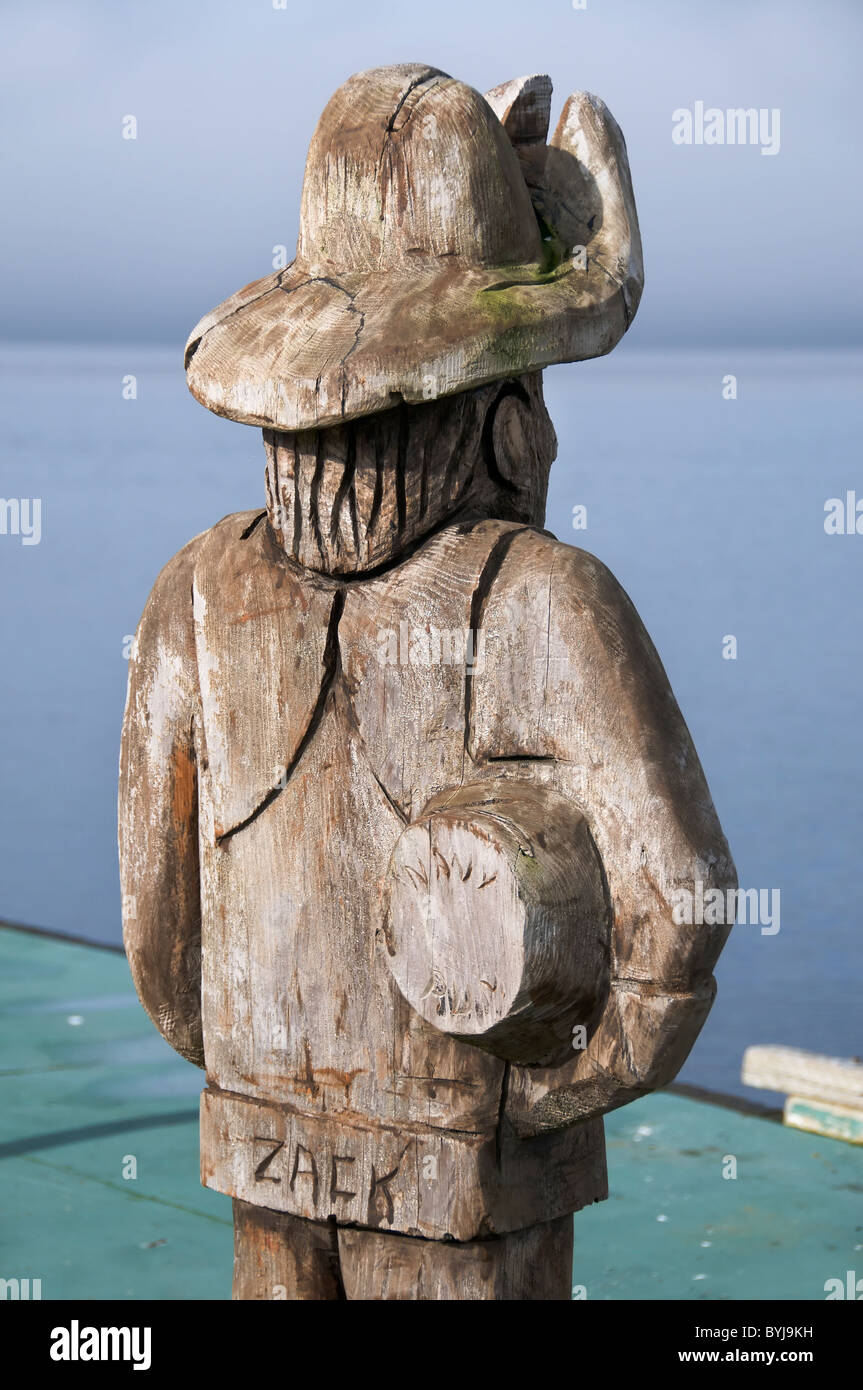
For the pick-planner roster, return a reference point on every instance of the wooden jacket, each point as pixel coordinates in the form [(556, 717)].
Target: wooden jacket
[(273, 751)]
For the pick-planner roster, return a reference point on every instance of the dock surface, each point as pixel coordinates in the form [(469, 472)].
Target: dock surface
[(90, 1094)]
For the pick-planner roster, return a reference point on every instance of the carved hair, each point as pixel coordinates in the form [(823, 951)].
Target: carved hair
[(357, 496)]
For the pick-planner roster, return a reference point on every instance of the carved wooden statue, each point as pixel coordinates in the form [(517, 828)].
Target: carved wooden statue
[(405, 793)]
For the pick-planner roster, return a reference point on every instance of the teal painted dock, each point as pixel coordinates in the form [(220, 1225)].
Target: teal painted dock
[(91, 1093)]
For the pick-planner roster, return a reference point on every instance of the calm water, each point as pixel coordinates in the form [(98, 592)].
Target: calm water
[(710, 512)]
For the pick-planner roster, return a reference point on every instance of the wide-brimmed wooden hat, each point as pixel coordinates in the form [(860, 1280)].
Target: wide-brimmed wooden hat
[(443, 244)]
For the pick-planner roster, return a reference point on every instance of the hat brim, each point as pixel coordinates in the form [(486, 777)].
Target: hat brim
[(305, 348), (295, 351)]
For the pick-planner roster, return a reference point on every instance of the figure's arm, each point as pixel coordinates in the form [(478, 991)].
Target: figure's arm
[(158, 813), (572, 675), (541, 897)]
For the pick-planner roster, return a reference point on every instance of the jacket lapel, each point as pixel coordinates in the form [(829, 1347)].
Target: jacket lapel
[(261, 644)]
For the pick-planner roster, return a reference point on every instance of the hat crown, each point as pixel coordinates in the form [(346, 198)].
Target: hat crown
[(408, 165)]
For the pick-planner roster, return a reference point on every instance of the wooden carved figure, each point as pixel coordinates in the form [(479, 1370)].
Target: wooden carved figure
[(405, 795)]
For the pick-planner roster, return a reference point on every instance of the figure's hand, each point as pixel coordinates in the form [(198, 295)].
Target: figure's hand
[(498, 922), (640, 1043), (579, 182)]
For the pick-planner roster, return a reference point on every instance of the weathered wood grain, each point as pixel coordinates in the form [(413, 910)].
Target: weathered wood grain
[(158, 822), (523, 107), (526, 1266), (405, 794), (571, 678), (497, 920), (282, 1258), (422, 268), (344, 500), (278, 1257), (427, 1180)]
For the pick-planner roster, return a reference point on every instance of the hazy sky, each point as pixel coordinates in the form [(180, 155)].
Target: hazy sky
[(113, 239)]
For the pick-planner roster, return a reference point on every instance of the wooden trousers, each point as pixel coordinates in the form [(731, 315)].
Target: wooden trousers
[(277, 1256)]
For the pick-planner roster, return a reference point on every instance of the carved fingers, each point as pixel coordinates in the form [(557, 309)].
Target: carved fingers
[(587, 156), (523, 107), (580, 181)]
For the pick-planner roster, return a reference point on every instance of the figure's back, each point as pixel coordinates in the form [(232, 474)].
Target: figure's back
[(405, 794)]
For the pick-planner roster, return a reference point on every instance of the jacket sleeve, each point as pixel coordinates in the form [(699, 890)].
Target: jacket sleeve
[(158, 813), (582, 684)]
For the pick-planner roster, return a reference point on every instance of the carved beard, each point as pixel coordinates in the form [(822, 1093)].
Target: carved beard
[(357, 496)]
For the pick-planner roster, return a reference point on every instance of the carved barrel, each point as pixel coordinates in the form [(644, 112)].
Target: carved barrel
[(498, 920)]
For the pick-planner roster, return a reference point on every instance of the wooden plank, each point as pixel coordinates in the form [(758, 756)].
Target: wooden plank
[(807, 1074), (825, 1117)]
